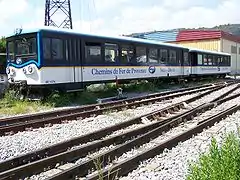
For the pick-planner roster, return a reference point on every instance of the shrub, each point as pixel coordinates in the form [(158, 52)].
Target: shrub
[(220, 162)]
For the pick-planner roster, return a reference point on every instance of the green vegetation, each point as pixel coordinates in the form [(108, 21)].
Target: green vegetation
[(11, 106), (79, 98), (99, 165), (2, 45), (220, 162)]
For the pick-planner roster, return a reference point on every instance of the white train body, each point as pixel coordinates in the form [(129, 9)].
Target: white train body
[(47, 58)]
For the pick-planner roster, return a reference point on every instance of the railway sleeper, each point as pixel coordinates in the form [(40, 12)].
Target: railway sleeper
[(171, 123), (128, 165), (47, 153)]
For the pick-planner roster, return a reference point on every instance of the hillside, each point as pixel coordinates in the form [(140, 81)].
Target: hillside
[(230, 28)]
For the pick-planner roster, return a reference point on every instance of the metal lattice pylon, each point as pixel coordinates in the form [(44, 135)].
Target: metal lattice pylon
[(52, 7)]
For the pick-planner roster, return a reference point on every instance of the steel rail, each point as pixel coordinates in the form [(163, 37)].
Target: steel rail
[(43, 115), (82, 169), (63, 146), (128, 165), (13, 128), (49, 162), (54, 113)]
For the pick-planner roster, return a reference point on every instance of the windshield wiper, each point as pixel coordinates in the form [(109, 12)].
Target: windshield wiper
[(28, 54)]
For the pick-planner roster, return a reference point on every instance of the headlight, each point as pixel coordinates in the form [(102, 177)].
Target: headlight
[(30, 69), (24, 71)]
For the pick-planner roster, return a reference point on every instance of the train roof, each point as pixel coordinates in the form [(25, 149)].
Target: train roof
[(123, 38), (207, 51)]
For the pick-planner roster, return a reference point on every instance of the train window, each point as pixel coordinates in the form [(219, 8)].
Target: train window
[(185, 59), (141, 55), (225, 61), (173, 57), (57, 49), (111, 52), (215, 60), (26, 46), (74, 49), (93, 53), (200, 59), (153, 55), (66, 48), (205, 60), (220, 61), (127, 54), (163, 56), (46, 48), (10, 49), (210, 59)]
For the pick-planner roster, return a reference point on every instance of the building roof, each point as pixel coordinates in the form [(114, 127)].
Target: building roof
[(187, 35), (190, 35)]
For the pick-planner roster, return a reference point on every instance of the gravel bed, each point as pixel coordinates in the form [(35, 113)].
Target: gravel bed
[(104, 149), (182, 127), (237, 91), (28, 141), (212, 96), (173, 164)]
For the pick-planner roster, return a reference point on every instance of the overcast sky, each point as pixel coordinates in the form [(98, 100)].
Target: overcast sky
[(118, 17)]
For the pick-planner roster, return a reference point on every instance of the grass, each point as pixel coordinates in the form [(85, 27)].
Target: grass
[(112, 175), (79, 98), (9, 105), (220, 163)]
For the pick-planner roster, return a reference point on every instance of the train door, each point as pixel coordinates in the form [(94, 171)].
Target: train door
[(181, 63), (78, 63), (74, 55), (186, 63)]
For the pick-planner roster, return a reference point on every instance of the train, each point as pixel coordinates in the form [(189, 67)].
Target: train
[(50, 58)]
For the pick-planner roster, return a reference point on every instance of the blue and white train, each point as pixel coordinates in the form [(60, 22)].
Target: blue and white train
[(50, 58)]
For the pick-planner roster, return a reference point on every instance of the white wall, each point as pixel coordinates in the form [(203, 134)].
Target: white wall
[(235, 57)]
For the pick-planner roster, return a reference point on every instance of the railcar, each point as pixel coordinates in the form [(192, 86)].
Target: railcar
[(51, 58), (209, 63)]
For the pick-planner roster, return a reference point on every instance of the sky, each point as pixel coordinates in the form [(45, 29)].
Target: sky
[(117, 17)]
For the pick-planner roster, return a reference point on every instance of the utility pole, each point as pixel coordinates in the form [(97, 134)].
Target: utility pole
[(53, 8)]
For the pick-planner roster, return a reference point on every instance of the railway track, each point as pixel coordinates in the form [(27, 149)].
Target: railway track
[(155, 123), (126, 166), (43, 115), (21, 123)]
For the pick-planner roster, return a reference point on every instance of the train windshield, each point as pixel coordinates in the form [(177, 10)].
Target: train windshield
[(10, 50), (22, 47), (26, 46)]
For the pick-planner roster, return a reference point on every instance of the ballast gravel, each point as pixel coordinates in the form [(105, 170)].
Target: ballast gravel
[(173, 164), (28, 141), (134, 126)]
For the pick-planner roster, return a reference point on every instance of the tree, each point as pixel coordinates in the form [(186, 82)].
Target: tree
[(2, 45), (2, 58)]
